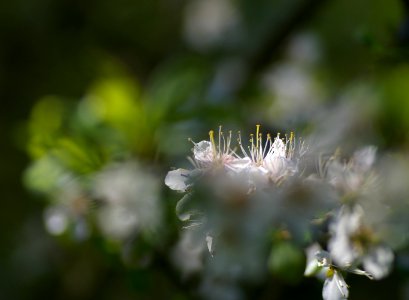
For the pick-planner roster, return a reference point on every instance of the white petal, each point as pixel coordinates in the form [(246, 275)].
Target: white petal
[(275, 165), (177, 180), (257, 175), (323, 258), (336, 174), (342, 250), (335, 288), (345, 225), (379, 262), (117, 221), (203, 152), (239, 164), (278, 148), (187, 255), (364, 158), (312, 264)]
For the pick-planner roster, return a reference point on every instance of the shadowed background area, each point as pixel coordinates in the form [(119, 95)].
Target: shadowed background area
[(99, 100)]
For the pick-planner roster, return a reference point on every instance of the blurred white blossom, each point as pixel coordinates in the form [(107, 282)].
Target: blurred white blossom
[(236, 193), (294, 89), (56, 220), (210, 22), (261, 164), (355, 176), (130, 195), (320, 264), (69, 210), (187, 255), (352, 242)]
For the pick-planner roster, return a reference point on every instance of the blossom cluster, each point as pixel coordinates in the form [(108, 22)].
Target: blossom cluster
[(274, 159), (238, 194)]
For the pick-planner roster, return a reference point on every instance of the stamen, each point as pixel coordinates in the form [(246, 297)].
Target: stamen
[(220, 134), (211, 135), (241, 145), (190, 140), (229, 142), (260, 148), (225, 150), (330, 272), (267, 145), (257, 134)]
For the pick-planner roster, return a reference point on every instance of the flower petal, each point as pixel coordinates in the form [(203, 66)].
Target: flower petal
[(177, 180), (378, 262), (364, 158), (335, 287), (203, 152), (239, 164), (312, 266), (323, 258), (346, 224)]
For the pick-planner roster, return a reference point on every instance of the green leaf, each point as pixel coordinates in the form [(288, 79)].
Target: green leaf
[(287, 262)]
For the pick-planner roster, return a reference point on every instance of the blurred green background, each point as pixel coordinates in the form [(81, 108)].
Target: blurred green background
[(87, 83)]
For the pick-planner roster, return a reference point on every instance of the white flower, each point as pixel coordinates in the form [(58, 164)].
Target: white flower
[(276, 158), (342, 229), (353, 242), (208, 155), (210, 23), (273, 160), (364, 159), (229, 178), (378, 262), (313, 265), (69, 211), (319, 263), (219, 153), (355, 176), (188, 252), (130, 195), (117, 221), (56, 219)]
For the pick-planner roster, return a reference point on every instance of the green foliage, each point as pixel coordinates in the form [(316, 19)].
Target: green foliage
[(287, 262)]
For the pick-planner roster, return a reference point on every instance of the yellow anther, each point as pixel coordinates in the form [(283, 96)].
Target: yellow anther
[(330, 272), (211, 135)]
